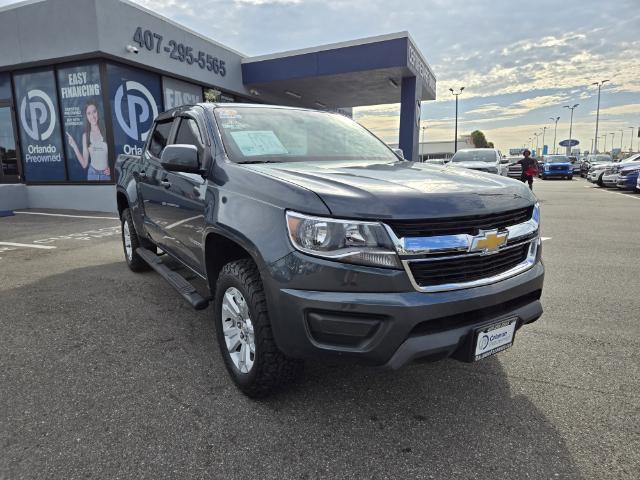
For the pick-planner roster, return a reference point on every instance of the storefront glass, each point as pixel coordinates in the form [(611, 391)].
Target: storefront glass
[(83, 120), (135, 99), (40, 140)]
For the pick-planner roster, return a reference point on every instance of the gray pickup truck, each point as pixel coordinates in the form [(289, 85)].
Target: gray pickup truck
[(316, 241)]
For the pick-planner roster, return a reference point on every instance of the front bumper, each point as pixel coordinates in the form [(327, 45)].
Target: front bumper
[(395, 327), (556, 173), (627, 183), (610, 180), (594, 176)]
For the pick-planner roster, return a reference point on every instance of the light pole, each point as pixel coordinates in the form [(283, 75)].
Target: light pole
[(621, 139), (530, 143), (544, 130), (555, 131), (571, 125), (537, 136), (455, 140), (631, 142), (599, 84), (613, 136), (605, 142)]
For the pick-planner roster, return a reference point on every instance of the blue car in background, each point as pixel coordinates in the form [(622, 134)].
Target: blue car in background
[(628, 177), (556, 166)]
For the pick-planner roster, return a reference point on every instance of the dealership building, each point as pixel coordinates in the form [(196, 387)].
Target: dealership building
[(81, 81)]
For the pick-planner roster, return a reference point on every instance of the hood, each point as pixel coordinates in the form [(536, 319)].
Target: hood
[(562, 164), (630, 167), (400, 189), (473, 165), (596, 165)]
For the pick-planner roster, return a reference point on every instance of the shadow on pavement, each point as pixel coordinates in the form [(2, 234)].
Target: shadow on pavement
[(106, 373)]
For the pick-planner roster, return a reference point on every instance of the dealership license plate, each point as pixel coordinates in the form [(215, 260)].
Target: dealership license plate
[(494, 338)]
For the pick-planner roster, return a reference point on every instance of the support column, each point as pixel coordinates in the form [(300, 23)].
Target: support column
[(410, 118)]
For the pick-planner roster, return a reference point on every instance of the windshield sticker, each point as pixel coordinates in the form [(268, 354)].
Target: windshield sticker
[(228, 113), (232, 123), (258, 142)]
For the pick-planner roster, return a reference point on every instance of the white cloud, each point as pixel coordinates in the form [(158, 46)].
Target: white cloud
[(629, 109)]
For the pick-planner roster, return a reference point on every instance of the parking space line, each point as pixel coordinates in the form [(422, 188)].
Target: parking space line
[(65, 215), (28, 245)]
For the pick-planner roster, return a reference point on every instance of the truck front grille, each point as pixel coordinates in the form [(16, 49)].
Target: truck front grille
[(467, 268), (556, 168), (470, 225)]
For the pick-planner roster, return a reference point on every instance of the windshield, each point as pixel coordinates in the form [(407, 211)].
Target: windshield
[(271, 134), (474, 156), (557, 159)]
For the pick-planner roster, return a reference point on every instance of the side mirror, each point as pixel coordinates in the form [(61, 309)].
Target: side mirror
[(504, 161), (180, 158), (399, 153)]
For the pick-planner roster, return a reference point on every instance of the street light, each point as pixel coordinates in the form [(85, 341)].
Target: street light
[(571, 124), (544, 129), (599, 84), (613, 135), (455, 140), (537, 136), (621, 139), (605, 142), (555, 131), (631, 141)]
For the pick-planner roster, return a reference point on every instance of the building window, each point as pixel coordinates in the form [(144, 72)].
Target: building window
[(39, 126), (84, 123)]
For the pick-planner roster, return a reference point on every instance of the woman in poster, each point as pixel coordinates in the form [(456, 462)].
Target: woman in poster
[(94, 146)]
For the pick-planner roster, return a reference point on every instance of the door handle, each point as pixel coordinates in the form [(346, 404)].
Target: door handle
[(165, 183)]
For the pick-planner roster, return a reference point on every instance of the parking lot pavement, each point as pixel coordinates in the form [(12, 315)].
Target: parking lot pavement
[(110, 374)]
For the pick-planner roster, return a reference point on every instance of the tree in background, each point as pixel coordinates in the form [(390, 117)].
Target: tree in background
[(479, 140)]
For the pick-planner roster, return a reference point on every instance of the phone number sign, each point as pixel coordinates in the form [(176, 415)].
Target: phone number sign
[(179, 51)]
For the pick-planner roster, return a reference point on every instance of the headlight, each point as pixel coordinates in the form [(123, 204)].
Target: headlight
[(536, 214), (363, 243)]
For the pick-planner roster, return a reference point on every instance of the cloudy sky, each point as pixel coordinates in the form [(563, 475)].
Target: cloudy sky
[(519, 62)]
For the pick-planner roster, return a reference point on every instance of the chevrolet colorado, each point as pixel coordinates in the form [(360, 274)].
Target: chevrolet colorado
[(316, 241)]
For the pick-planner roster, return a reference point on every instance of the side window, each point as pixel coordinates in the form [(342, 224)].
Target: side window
[(159, 138), (189, 133)]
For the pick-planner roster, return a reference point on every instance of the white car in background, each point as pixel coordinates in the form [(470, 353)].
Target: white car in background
[(610, 175), (480, 159)]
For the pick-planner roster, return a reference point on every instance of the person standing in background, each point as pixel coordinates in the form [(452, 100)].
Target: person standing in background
[(529, 168)]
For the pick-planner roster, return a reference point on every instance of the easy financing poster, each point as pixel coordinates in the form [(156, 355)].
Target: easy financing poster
[(83, 120)]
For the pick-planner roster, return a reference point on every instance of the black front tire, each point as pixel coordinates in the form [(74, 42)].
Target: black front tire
[(271, 368), (134, 261)]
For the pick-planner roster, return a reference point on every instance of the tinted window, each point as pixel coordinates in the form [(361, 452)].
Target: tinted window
[(189, 133), (159, 138)]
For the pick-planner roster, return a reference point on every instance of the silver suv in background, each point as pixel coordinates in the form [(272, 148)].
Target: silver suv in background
[(610, 175), (481, 160)]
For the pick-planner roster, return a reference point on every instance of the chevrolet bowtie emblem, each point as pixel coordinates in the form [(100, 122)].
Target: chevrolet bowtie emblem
[(488, 241)]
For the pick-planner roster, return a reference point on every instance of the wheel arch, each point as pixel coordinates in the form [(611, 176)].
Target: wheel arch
[(122, 200), (220, 249)]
